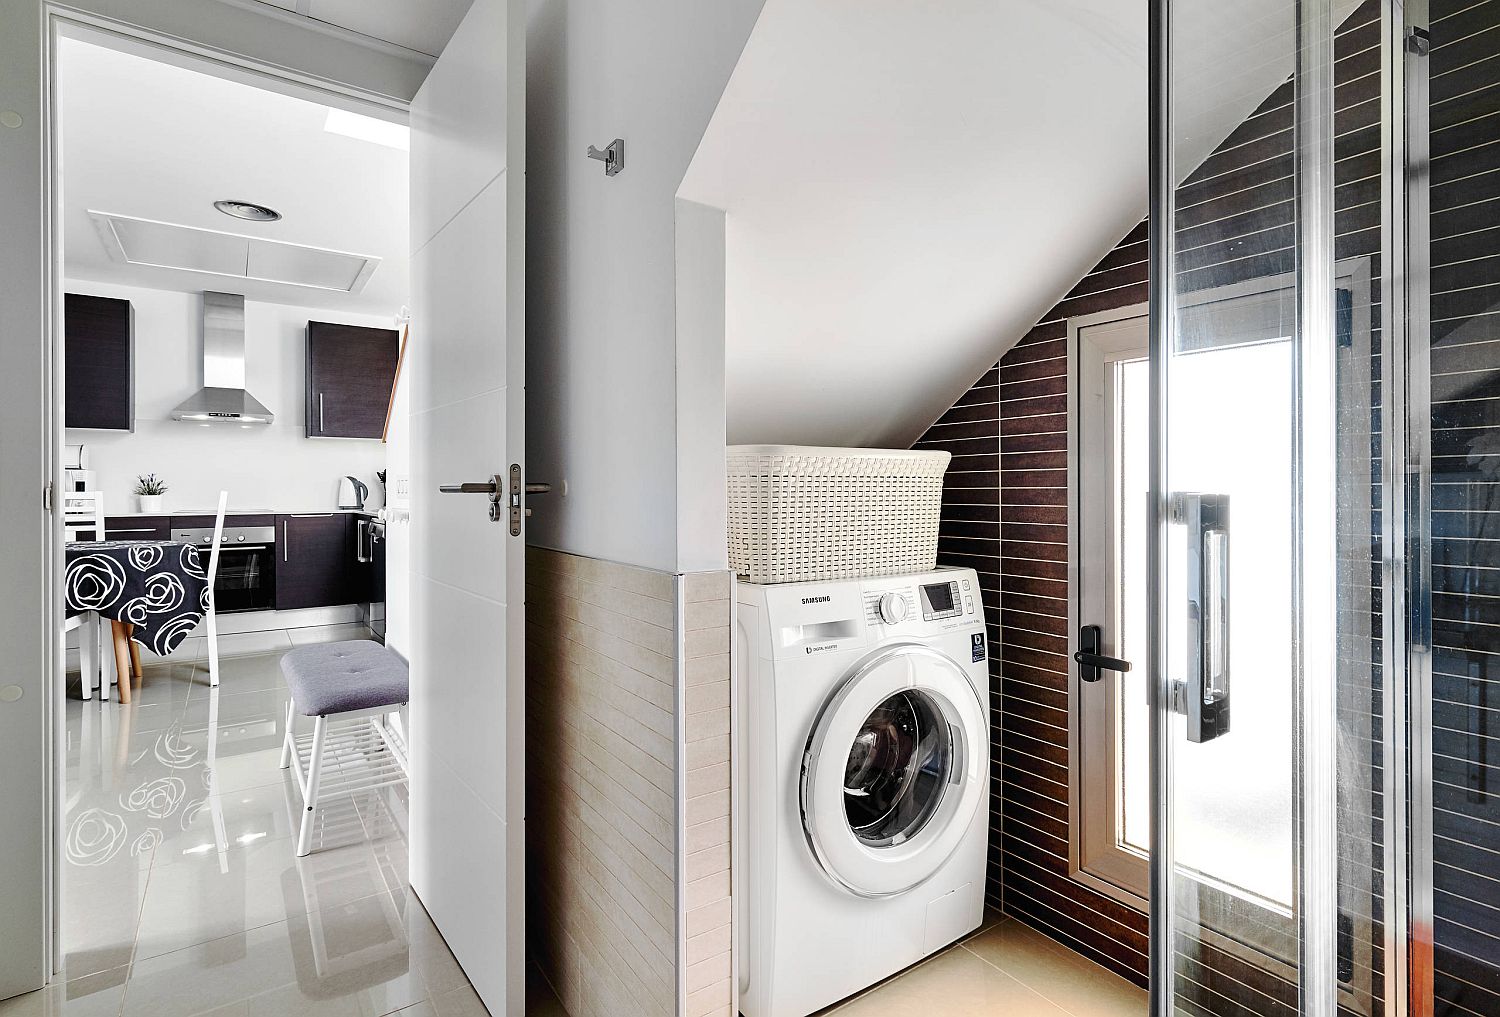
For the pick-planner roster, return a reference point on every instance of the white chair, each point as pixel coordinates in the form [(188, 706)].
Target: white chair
[(213, 572), (83, 511)]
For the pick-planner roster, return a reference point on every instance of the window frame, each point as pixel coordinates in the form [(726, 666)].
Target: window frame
[(1094, 860)]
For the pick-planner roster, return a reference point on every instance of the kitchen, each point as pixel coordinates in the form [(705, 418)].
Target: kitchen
[(234, 307), (216, 344)]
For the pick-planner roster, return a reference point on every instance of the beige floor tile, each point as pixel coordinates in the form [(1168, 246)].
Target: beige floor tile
[(461, 1002), (954, 984), (1068, 979), (541, 1001)]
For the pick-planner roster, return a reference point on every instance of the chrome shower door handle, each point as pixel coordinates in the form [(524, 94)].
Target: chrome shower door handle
[(1205, 693)]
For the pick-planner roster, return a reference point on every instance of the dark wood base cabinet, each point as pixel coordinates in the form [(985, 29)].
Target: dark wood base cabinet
[(138, 527), (316, 553), (317, 562)]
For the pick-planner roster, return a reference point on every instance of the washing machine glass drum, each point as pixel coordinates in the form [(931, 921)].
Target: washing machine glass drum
[(894, 771)]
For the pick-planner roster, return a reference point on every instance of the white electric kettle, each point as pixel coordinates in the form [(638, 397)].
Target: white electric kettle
[(352, 493)]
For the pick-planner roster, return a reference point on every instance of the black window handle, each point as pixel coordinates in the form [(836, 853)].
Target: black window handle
[(1090, 660)]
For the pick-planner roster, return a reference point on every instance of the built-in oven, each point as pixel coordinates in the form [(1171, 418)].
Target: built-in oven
[(246, 579)]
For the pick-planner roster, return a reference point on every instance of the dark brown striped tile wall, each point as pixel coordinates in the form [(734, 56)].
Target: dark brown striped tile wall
[(1005, 515), (1465, 254)]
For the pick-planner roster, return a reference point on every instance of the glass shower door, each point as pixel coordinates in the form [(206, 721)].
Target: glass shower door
[(1267, 212)]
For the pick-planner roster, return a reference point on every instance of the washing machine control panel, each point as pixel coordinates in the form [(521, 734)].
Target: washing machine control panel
[(816, 618), (942, 600), (925, 601)]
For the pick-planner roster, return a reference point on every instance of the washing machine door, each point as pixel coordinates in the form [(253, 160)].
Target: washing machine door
[(894, 770)]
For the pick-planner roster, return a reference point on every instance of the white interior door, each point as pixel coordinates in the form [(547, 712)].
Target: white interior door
[(25, 550), (467, 358)]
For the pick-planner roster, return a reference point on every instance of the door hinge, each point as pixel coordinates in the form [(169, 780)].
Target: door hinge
[(47, 497)]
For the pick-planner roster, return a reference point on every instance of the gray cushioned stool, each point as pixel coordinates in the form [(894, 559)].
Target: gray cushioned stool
[(359, 681)]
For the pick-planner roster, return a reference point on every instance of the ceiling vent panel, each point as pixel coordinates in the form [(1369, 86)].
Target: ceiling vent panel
[(188, 248), (306, 266), (165, 246)]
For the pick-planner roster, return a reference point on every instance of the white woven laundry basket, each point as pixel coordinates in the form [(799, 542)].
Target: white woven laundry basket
[(800, 513)]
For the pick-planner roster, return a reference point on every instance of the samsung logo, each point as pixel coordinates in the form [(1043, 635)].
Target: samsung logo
[(816, 600)]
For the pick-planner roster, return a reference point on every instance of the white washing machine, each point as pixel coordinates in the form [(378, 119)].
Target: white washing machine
[(864, 780)]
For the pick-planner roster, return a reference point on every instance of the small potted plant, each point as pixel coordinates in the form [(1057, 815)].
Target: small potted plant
[(149, 491)]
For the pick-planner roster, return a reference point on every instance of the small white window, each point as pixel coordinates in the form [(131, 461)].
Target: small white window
[(1111, 727)]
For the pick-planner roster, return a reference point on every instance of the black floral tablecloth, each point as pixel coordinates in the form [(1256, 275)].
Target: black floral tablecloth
[(159, 586)]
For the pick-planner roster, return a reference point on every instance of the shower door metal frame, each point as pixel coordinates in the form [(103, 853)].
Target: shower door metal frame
[(1406, 623), (1406, 510), (1160, 255)]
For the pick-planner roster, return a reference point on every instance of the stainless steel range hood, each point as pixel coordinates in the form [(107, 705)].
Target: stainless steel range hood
[(223, 396)]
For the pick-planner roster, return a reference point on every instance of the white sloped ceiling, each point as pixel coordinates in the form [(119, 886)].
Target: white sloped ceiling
[(909, 186)]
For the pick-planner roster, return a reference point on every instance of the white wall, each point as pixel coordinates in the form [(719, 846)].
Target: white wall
[(262, 467), (601, 260), (702, 494)]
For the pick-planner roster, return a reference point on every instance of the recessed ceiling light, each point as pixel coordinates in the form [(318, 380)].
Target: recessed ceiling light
[(363, 128), (248, 210)]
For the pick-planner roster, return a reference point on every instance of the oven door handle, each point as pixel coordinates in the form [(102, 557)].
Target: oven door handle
[(243, 547)]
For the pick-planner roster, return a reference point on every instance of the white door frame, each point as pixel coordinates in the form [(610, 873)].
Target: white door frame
[(30, 461)]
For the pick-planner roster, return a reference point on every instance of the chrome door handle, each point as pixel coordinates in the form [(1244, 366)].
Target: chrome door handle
[(1204, 695), (494, 487), (321, 428)]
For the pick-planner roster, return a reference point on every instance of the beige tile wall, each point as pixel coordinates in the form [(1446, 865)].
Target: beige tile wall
[(705, 660), (620, 869)]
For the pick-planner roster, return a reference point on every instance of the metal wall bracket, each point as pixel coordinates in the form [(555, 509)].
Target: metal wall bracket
[(613, 156)]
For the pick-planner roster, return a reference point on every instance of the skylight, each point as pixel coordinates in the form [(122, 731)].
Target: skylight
[(363, 128)]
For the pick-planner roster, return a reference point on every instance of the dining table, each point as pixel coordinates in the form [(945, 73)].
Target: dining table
[(153, 592)]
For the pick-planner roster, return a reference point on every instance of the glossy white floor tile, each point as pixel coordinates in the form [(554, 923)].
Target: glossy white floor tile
[(182, 891), (183, 894)]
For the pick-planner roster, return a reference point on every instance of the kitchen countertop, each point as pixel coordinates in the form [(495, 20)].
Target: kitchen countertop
[(370, 513)]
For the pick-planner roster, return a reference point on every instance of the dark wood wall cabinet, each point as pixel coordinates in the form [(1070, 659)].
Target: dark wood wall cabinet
[(316, 564), (350, 372), (98, 363)]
